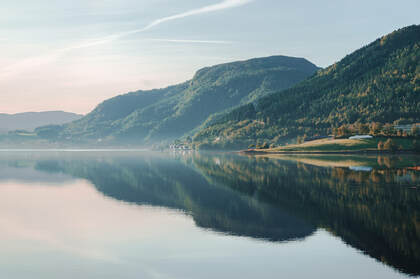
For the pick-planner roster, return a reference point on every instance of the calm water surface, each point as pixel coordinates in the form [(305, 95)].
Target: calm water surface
[(172, 215)]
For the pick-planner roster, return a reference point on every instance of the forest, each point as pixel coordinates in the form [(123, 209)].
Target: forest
[(377, 83)]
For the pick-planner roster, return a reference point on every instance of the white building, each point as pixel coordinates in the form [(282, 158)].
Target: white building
[(361, 137)]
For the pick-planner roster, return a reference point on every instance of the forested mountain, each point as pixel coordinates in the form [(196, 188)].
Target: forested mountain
[(166, 114), (31, 120), (379, 82)]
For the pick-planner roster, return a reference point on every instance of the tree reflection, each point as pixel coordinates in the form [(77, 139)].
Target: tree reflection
[(376, 211)]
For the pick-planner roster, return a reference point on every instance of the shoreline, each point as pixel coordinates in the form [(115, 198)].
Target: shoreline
[(343, 152)]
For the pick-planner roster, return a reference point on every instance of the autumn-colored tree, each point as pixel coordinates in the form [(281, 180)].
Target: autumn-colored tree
[(375, 128), (390, 145), (343, 131), (300, 140), (264, 146), (388, 130)]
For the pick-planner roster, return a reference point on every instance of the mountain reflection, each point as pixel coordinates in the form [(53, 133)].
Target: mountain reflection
[(375, 210), (159, 181)]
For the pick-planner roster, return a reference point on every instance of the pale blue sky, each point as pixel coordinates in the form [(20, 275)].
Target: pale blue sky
[(71, 55)]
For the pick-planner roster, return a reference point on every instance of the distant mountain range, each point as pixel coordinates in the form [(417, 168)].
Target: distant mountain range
[(379, 82), (30, 120), (145, 117)]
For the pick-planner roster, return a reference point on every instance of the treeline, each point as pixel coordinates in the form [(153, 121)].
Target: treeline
[(374, 129)]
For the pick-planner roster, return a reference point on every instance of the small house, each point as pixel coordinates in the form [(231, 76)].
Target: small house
[(361, 137)]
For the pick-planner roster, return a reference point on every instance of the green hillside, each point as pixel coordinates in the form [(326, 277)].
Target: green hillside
[(165, 114), (377, 83)]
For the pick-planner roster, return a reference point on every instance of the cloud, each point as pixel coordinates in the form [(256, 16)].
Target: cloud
[(191, 41), (226, 4), (28, 64), (42, 60)]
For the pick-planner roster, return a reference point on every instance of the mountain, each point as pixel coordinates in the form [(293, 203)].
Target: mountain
[(31, 120), (379, 82), (165, 114)]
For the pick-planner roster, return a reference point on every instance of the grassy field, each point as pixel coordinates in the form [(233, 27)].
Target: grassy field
[(339, 145)]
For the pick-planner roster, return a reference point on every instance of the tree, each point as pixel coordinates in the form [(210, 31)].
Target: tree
[(262, 146), (388, 130), (343, 131), (375, 128), (414, 130), (50, 132), (390, 145), (362, 128), (299, 140)]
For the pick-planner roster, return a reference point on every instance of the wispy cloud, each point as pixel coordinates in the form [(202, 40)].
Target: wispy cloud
[(226, 4), (41, 60), (191, 41)]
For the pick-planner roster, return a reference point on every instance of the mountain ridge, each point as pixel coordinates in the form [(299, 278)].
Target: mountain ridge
[(148, 116), (33, 119)]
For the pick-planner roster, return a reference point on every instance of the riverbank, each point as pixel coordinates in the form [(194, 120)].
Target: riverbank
[(341, 146)]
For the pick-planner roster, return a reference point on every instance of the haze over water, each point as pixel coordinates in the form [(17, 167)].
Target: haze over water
[(194, 215)]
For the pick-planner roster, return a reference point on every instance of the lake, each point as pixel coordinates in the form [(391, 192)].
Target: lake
[(136, 214)]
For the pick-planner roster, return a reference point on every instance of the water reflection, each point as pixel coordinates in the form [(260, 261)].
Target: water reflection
[(157, 181), (376, 211), (275, 199)]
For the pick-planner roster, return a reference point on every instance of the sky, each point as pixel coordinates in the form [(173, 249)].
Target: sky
[(72, 55)]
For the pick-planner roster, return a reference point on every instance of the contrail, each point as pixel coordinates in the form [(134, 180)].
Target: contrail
[(226, 4), (41, 60)]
